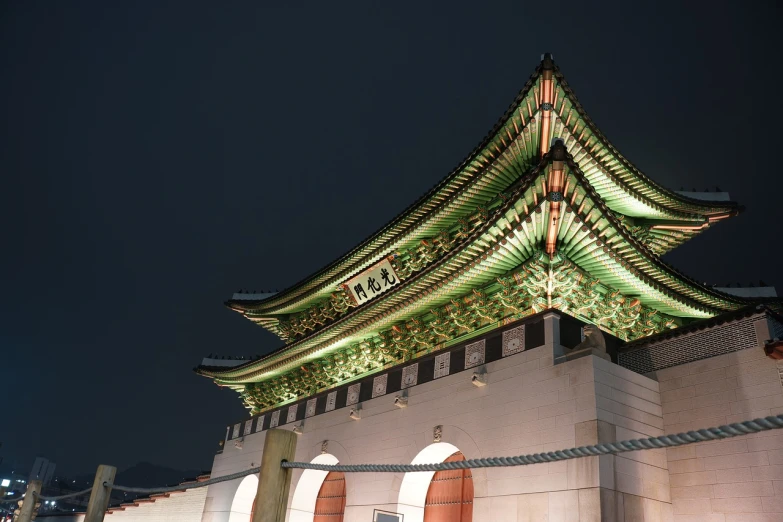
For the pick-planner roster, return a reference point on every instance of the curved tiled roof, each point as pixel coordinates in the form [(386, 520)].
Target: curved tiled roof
[(648, 269), (486, 178), (633, 181)]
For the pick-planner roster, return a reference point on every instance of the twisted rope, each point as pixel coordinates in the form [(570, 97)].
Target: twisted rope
[(183, 487), (607, 448), (67, 495)]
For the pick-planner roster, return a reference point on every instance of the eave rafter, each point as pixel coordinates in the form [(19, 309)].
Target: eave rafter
[(592, 236)]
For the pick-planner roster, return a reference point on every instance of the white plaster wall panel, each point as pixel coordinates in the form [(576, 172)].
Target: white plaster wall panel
[(728, 480), (219, 497)]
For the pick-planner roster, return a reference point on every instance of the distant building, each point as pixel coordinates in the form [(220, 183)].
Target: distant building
[(43, 470), (13, 482)]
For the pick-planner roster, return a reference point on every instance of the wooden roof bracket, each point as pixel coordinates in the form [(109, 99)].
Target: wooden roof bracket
[(555, 184)]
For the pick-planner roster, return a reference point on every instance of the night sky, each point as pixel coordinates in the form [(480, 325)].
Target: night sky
[(157, 157)]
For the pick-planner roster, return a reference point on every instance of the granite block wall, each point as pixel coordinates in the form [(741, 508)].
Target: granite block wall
[(725, 481)]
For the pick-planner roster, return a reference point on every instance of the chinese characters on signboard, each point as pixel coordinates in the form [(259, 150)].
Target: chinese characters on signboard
[(372, 282)]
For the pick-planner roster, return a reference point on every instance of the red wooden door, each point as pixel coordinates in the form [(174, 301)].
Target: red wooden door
[(450, 495), (330, 504)]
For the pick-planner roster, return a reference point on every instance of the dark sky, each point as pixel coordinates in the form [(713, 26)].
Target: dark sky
[(158, 156)]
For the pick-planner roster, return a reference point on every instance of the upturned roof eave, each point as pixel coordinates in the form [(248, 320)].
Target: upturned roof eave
[(524, 184), (259, 364), (680, 202), (286, 294), (643, 249), (708, 208)]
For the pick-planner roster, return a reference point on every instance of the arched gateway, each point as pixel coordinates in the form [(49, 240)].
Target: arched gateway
[(330, 504), (450, 495), (442, 496), (244, 500), (319, 496)]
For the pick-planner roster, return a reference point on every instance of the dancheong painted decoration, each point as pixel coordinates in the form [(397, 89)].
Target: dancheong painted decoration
[(544, 213)]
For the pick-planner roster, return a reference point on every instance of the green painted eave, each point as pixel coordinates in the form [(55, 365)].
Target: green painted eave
[(589, 235)]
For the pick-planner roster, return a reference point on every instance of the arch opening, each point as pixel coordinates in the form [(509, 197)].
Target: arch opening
[(314, 497), (244, 499), (330, 504), (414, 487), (450, 495)]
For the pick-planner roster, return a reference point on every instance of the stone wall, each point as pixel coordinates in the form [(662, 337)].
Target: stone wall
[(529, 405), (725, 481)]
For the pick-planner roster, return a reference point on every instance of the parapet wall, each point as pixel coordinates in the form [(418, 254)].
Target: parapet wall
[(530, 404)]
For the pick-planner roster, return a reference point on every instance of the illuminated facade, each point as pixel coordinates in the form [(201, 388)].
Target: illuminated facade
[(521, 305)]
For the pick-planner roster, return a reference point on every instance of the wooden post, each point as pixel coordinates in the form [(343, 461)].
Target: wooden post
[(29, 501), (274, 481), (99, 497)]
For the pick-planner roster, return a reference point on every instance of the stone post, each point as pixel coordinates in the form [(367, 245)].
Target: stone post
[(29, 501), (274, 481), (99, 497)]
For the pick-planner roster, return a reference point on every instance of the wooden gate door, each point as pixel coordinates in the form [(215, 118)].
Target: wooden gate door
[(450, 495), (330, 504)]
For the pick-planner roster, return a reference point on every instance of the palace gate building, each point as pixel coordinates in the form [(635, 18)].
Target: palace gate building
[(519, 306)]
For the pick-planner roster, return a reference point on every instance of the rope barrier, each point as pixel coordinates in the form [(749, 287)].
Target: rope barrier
[(665, 441), (183, 487), (63, 497)]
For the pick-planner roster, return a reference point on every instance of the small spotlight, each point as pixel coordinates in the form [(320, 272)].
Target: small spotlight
[(479, 379)]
